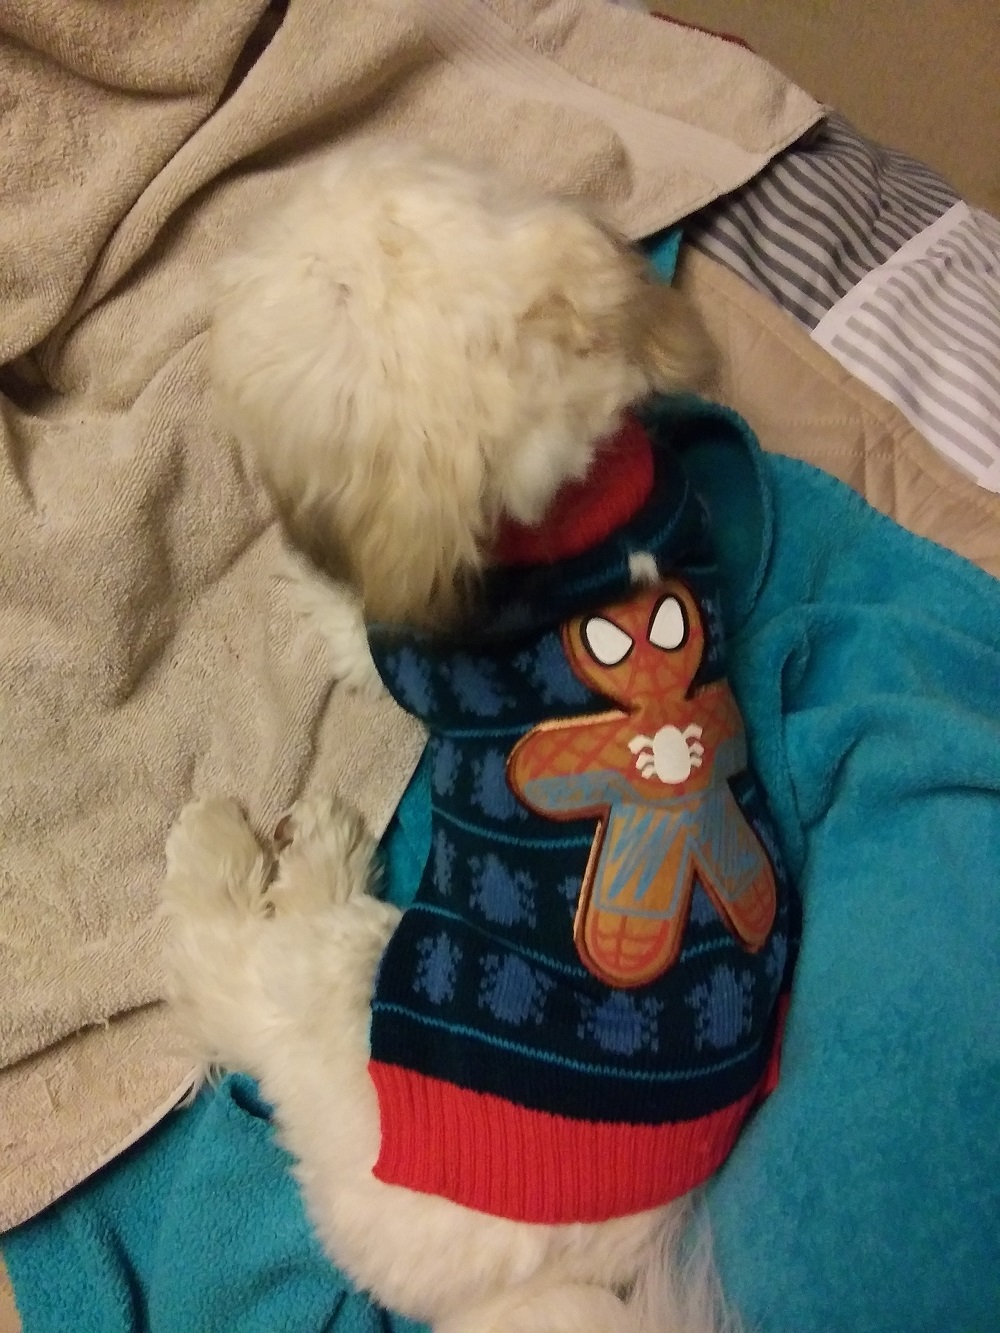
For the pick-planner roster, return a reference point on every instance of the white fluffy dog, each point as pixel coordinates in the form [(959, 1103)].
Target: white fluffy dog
[(411, 349)]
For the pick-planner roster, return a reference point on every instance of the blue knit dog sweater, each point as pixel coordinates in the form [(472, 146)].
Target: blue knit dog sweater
[(584, 1002)]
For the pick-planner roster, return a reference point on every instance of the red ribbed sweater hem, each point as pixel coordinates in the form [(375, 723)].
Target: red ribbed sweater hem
[(496, 1157)]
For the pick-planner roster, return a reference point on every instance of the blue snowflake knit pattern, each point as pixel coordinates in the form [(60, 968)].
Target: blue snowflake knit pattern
[(481, 985)]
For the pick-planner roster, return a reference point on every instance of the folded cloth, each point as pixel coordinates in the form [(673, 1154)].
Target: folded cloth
[(864, 1195), (894, 275)]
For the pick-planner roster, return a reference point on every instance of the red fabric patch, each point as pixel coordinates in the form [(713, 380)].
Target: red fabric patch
[(723, 36), (488, 1154), (585, 512)]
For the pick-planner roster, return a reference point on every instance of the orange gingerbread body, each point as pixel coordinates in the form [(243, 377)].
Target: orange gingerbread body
[(654, 772)]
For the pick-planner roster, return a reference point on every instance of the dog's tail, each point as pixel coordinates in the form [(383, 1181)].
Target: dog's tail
[(678, 1289)]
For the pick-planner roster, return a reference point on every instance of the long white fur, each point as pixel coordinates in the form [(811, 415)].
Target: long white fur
[(411, 348), (273, 975)]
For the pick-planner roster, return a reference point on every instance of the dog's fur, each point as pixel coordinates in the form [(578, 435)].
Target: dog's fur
[(411, 349)]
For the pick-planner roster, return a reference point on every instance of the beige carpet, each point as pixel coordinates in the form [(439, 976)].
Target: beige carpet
[(919, 75)]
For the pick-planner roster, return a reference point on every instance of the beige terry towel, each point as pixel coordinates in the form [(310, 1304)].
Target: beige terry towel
[(146, 650)]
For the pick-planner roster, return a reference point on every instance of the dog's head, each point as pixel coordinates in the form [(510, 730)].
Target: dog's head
[(414, 348)]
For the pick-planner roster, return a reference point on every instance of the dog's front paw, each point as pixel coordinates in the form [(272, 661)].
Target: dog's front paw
[(325, 855), (213, 859), (334, 611)]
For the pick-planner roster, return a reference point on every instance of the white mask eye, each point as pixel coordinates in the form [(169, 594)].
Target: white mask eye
[(607, 643), (668, 628)]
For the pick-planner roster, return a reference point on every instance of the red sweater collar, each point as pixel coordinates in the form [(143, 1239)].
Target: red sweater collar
[(584, 513)]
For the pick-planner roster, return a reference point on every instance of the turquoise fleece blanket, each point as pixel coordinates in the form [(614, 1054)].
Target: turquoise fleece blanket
[(197, 1229), (865, 1195)]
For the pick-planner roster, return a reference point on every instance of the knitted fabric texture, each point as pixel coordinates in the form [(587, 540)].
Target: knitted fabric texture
[(584, 1001)]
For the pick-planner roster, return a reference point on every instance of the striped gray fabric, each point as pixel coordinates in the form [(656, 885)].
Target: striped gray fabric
[(817, 219), (891, 272), (924, 331)]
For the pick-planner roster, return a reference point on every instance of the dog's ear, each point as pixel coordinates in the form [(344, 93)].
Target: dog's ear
[(673, 343), (556, 319), (618, 305)]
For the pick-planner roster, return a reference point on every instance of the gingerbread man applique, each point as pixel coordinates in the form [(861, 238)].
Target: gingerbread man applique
[(654, 773)]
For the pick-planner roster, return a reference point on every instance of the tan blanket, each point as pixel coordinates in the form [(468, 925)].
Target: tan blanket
[(146, 650), (804, 404)]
